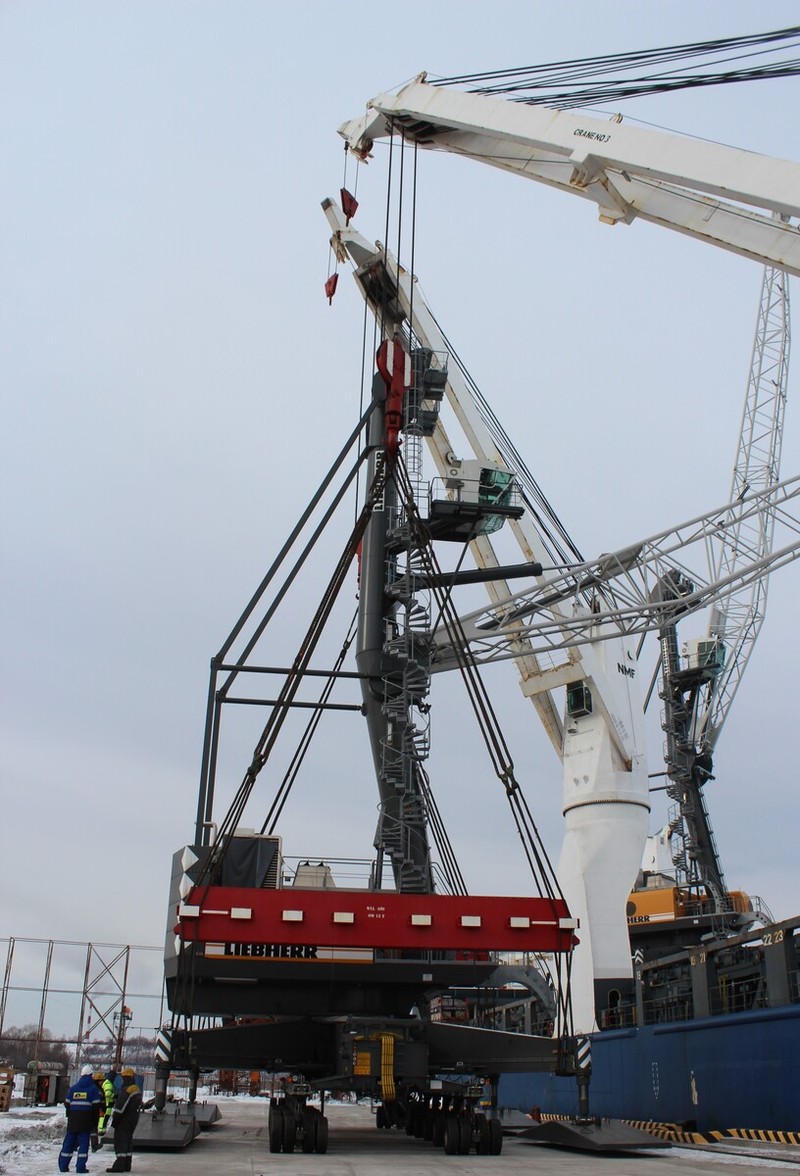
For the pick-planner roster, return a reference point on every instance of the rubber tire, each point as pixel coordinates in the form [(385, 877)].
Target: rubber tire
[(310, 1120), (429, 1118), (438, 1129), (495, 1137), (289, 1133), (275, 1128), (484, 1136), (464, 1136), (452, 1136), (321, 1136)]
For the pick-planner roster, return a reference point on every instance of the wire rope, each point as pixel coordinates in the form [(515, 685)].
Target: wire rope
[(500, 756), (575, 82)]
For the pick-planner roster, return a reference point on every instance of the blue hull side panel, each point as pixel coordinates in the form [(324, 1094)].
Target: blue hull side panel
[(737, 1071)]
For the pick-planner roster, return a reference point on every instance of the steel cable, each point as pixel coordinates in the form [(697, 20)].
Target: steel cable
[(567, 84)]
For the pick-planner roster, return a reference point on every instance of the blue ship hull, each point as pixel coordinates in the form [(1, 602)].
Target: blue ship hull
[(736, 1071)]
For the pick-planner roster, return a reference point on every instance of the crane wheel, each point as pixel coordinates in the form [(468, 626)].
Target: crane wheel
[(275, 1128), (452, 1136), (289, 1133), (321, 1137), (310, 1120)]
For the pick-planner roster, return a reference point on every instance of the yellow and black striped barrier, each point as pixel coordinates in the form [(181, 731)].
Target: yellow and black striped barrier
[(762, 1136), (674, 1133)]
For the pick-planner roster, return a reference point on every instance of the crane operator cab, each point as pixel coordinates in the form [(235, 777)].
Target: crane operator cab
[(473, 498)]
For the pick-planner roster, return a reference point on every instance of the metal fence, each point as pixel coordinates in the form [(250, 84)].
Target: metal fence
[(87, 997)]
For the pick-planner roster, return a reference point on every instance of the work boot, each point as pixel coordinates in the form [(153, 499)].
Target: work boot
[(120, 1165)]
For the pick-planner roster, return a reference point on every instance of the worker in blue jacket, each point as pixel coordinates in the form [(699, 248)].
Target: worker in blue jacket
[(83, 1104)]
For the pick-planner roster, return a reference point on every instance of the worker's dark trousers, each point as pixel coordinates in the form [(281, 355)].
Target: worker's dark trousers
[(123, 1147)]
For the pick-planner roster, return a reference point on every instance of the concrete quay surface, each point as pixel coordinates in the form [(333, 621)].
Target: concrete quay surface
[(238, 1146)]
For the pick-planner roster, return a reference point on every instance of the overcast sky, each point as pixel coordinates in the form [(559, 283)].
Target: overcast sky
[(174, 384)]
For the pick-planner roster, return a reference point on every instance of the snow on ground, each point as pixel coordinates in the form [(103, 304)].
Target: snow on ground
[(30, 1140)]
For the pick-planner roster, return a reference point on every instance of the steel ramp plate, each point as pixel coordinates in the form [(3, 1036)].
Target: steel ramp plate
[(170, 1131), (605, 1135), (205, 1113)]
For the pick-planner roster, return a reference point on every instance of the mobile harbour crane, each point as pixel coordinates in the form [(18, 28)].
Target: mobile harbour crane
[(391, 852)]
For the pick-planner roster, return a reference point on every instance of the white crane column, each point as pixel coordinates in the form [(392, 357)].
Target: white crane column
[(606, 812)]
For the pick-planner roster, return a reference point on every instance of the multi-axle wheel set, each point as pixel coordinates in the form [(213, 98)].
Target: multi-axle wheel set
[(292, 1122), (451, 1124)]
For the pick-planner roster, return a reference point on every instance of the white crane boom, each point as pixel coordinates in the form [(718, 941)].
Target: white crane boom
[(737, 621), (410, 306), (722, 195)]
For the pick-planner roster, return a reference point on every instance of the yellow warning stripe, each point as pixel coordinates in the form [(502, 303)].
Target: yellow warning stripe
[(676, 1134), (792, 1137)]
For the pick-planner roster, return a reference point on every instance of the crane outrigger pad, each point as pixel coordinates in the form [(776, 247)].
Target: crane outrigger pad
[(206, 1114), (596, 1135)]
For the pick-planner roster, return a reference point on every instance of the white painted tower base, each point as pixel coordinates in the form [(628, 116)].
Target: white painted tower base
[(606, 811)]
